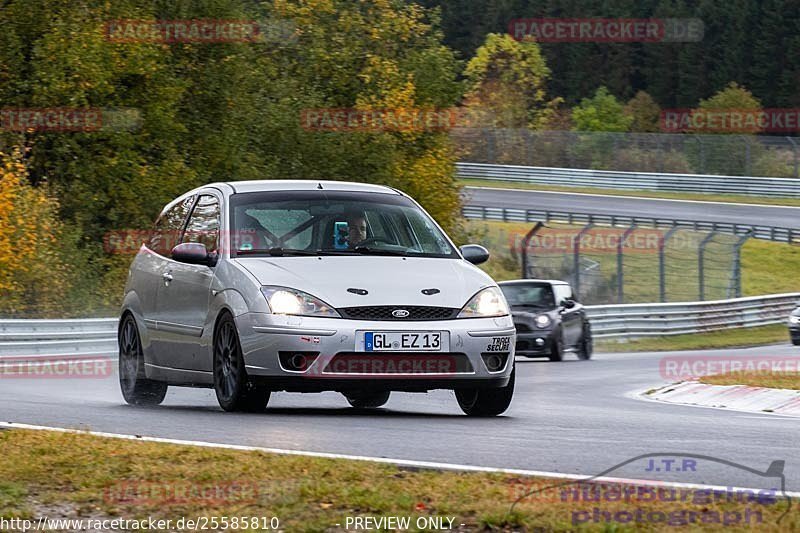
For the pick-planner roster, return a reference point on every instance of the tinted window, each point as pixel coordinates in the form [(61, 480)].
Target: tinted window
[(167, 230), (529, 294), (203, 225), (563, 292)]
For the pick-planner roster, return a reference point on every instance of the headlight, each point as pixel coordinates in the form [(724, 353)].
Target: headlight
[(488, 302), (286, 301), (542, 321), (794, 319)]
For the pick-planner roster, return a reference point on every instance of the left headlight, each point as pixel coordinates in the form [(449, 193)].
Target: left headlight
[(542, 321), (487, 303), (286, 301)]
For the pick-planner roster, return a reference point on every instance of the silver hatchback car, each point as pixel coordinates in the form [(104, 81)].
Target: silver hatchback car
[(306, 286)]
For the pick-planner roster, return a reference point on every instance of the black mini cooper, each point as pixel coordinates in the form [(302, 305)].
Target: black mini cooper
[(549, 321)]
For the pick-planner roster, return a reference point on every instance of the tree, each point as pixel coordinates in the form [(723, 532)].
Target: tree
[(602, 112), (644, 112), (506, 84)]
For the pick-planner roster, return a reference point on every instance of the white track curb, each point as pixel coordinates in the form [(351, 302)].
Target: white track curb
[(735, 397)]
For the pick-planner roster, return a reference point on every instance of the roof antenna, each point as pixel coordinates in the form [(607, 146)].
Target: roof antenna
[(319, 185)]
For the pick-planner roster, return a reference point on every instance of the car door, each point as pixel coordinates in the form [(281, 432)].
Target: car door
[(152, 262), (184, 295), (570, 317)]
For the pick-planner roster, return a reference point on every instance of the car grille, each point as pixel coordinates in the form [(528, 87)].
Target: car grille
[(522, 328), (384, 312)]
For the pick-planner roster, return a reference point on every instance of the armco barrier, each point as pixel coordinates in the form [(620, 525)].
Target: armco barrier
[(770, 233), (643, 181), (89, 337)]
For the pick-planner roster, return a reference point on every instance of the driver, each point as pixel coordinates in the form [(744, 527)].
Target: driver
[(356, 229)]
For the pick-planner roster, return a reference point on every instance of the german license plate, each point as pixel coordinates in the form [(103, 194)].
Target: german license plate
[(403, 341)]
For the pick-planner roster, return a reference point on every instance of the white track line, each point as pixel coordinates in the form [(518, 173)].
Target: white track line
[(428, 465), (595, 195)]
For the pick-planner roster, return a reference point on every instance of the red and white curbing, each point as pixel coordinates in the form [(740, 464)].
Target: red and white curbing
[(735, 397)]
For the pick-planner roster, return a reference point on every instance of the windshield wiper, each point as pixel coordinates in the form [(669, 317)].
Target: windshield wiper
[(277, 252), (378, 251)]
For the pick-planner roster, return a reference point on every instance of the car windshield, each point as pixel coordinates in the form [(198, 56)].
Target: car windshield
[(529, 294), (323, 222)]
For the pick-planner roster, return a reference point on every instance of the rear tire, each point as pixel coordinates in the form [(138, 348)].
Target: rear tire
[(586, 345), (368, 400), (486, 402), (136, 388), (235, 391)]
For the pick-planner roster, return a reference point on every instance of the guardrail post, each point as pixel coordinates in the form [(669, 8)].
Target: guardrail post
[(736, 268), (796, 162), (576, 260), (620, 269), (525, 244), (662, 271), (701, 277)]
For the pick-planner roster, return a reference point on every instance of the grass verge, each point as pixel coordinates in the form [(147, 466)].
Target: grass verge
[(732, 338), (81, 476), (771, 380), (723, 198)]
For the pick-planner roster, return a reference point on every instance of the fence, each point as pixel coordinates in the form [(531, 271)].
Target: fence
[(91, 337), (643, 181), (735, 155), (772, 233)]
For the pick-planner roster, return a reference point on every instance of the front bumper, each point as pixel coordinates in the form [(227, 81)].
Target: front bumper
[(794, 333), (334, 358), (536, 343)]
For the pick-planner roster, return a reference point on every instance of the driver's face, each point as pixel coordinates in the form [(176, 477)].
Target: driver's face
[(356, 230)]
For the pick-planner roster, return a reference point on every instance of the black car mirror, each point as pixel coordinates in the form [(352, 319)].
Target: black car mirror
[(568, 304), (475, 253), (193, 253)]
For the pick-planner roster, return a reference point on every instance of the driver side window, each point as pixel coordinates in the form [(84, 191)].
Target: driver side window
[(203, 225)]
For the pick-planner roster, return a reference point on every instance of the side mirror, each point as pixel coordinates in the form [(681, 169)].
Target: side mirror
[(193, 253), (568, 304), (475, 253)]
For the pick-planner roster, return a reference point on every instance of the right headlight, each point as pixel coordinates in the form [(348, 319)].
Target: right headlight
[(542, 321), (487, 303), (287, 301)]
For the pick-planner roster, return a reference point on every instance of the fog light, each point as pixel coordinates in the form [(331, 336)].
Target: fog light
[(494, 362), (297, 361), (539, 341)]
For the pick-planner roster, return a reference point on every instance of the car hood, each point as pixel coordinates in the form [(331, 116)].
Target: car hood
[(387, 280)]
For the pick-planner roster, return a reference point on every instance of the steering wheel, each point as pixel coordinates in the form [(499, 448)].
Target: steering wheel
[(371, 240)]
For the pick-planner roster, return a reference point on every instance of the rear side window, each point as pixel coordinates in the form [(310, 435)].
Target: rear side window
[(167, 230), (203, 225)]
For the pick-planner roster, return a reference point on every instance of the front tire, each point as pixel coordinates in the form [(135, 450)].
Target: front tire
[(136, 388), (486, 402), (586, 346), (235, 391), (557, 348), (368, 400)]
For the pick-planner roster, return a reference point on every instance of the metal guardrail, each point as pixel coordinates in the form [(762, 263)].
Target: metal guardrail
[(630, 321), (643, 181), (771, 233), (92, 337), (46, 338)]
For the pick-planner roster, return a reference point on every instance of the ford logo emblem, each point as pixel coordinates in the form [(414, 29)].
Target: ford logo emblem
[(400, 313)]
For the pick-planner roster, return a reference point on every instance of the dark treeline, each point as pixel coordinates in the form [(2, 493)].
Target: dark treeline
[(753, 42)]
